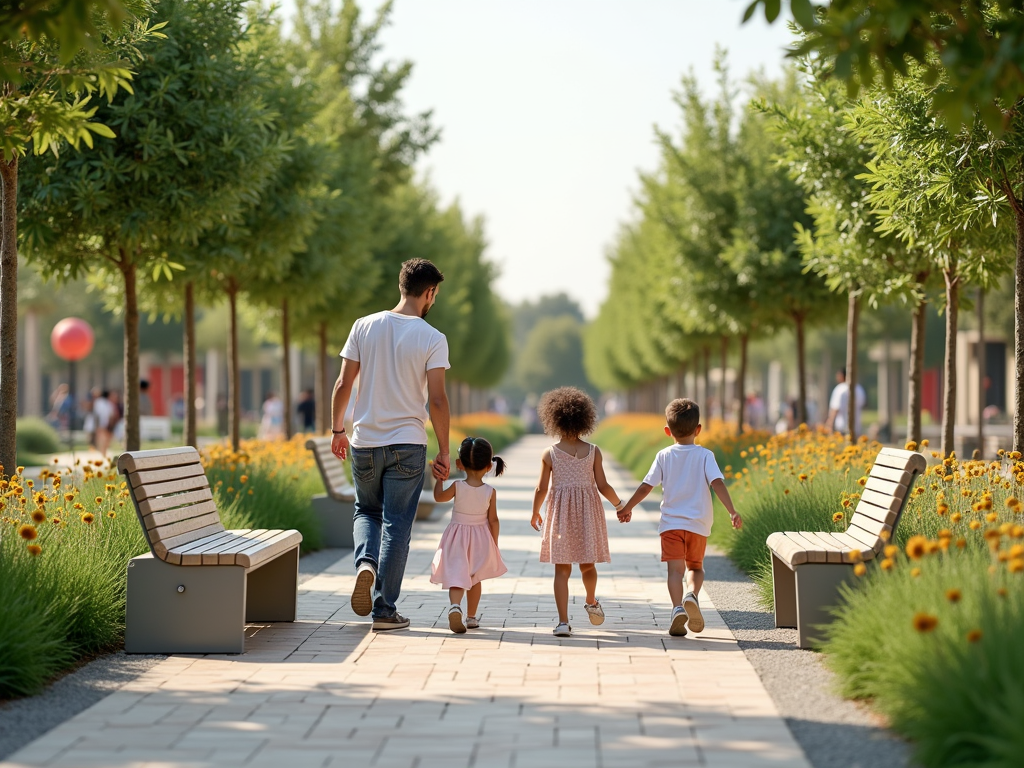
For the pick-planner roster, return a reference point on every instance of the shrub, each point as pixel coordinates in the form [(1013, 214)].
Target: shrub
[(35, 440)]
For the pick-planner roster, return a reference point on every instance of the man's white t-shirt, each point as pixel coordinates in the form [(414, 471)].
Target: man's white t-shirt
[(685, 474), (394, 353), (103, 413), (840, 403)]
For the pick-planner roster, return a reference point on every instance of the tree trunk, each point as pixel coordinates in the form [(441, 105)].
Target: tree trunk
[(9, 318), (852, 318), (741, 384), (801, 369), (917, 332), (234, 374), (1018, 336), (323, 392), (981, 373), (286, 369), (190, 364), (949, 364), (132, 435), (721, 390), (707, 383)]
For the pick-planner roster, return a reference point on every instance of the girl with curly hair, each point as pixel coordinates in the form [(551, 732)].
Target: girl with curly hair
[(574, 530)]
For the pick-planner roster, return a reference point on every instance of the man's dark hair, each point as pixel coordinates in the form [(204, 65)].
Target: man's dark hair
[(143, 385), (683, 417), (418, 276)]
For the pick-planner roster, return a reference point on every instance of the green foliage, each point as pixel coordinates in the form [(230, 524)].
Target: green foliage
[(552, 355), (977, 47), (959, 702), (36, 436)]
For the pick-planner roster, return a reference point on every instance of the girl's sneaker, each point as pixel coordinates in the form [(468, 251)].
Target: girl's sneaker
[(455, 622), (563, 630), (678, 626), (692, 608), (595, 611), (472, 622)]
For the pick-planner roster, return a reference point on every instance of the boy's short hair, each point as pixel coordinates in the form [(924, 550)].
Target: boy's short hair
[(683, 417), (418, 276)]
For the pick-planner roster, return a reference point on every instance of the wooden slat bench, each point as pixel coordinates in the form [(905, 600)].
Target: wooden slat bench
[(809, 567), (199, 584), (335, 508)]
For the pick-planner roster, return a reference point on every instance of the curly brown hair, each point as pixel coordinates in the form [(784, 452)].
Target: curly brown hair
[(567, 412)]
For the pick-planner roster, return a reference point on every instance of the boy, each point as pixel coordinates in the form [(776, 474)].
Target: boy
[(686, 473)]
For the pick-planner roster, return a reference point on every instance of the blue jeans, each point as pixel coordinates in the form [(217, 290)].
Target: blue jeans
[(388, 483)]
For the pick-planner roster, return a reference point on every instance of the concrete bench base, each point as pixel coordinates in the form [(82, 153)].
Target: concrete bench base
[(335, 519), (204, 608), (805, 594)]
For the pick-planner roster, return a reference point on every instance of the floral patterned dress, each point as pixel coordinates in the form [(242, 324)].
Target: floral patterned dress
[(574, 528)]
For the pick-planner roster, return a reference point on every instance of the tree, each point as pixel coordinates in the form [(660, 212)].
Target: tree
[(192, 150), (975, 47), (53, 62), (552, 355)]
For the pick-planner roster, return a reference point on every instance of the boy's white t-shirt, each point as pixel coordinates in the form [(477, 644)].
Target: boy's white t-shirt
[(685, 474), (394, 353)]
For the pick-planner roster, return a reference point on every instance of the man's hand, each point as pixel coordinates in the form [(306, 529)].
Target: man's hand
[(737, 521), (339, 446), (442, 466), (536, 521)]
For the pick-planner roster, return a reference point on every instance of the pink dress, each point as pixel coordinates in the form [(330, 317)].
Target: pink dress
[(467, 553), (574, 529)]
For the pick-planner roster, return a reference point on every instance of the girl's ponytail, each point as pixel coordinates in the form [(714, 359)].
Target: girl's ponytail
[(499, 466)]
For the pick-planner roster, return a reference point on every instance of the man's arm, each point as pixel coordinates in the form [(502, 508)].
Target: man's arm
[(339, 405), (439, 418)]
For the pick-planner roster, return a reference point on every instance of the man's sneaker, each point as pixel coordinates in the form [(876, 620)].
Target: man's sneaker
[(362, 592), (678, 626), (692, 608), (455, 622), (563, 630), (595, 611), (398, 621)]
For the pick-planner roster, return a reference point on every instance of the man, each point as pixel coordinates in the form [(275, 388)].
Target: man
[(307, 410), (839, 405), (401, 363)]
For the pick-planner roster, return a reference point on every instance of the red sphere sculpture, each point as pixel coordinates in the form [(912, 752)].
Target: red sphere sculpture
[(72, 339)]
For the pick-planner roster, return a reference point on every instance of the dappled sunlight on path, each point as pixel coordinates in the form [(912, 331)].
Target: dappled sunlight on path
[(325, 691)]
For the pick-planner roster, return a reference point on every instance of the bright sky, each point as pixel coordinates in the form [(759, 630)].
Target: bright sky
[(547, 110)]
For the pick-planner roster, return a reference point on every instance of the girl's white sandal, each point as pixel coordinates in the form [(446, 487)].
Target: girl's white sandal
[(455, 622), (472, 622), (563, 630), (596, 612)]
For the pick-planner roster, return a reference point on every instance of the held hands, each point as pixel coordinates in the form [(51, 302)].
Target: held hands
[(442, 466), (536, 521), (737, 521), (339, 446), (625, 514)]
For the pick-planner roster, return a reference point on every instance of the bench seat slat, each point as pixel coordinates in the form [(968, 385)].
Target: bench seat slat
[(160, 503), (849, 544), (147, 476), (228, 554), (269, 548), (893, 475), (157, 521), (163, 548), (149, 490), (885, 516), (815, 551), (833, 550), (894, 462), (787, 549), (886, 487), (192, 554)]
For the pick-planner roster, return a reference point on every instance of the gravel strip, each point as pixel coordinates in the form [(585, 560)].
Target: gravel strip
[(25, 720), (833, 732)]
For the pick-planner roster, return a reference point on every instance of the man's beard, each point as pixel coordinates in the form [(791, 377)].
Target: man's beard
[(423, 314)]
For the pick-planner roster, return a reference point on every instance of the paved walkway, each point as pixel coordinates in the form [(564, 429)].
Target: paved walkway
[(325, 691)]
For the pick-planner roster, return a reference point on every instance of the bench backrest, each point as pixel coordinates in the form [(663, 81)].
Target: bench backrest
[(171, 495), (885, 495), (332, 470)]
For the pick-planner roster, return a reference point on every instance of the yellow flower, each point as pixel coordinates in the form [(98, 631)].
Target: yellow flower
[(1017, 550), (88, 517), (915, 572), (35, 550), (243, 479), (888, 564), (860, 569), (862, 481), (956, 517), (910, 446), (27, 532), (991, 517), (837, 517), (885, 534), (38, 516), (55, 520), (1014, 455), (854, 555), (917, 547), (1002, 592), (975, 525), (953, 595), (941, 510), (801, 477), (1015, 566), (69, 497), (924, 443), (891, 550), (111, 514), (925, 622), (974, 636)]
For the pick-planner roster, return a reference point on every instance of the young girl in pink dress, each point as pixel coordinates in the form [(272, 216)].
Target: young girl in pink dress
[(575, 529), (468, 552)]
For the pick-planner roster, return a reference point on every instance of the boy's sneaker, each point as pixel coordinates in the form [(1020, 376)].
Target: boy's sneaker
[(595, 611), (362, 592), (692, 608), (455, 621), (678, 626), (563, 630), (398, 621)]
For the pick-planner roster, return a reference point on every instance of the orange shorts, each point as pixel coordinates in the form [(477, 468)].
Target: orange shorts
[(684, 545)]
